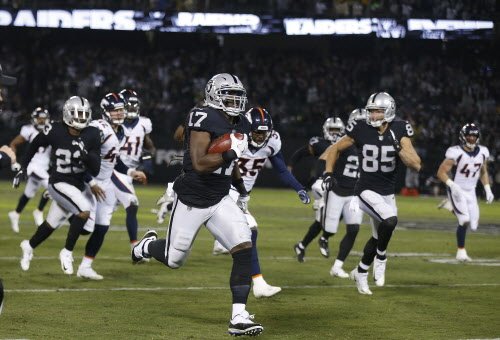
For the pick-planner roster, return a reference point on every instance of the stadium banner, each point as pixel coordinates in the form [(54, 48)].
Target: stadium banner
[(240, 23)]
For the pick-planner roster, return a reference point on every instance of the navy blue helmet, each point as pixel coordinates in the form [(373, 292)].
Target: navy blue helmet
[(469, 129), (132, 103), (261, 126), (113, 106)]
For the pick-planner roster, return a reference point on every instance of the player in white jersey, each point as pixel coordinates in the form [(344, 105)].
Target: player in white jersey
[(136, 153), (470, 161), (38, 175), (265, 143), (113, 137)]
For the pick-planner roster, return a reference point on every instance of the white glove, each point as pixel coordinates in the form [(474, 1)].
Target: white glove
[(354, 205), (456, 191), (239, 145), (15, 167), (163, 201), (317, 189), (489, 194), (242, 203)]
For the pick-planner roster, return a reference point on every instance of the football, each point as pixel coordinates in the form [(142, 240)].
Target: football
[(222, 143)]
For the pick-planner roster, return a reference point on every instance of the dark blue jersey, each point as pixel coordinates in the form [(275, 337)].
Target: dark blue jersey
[(378, 159), (203, 190)]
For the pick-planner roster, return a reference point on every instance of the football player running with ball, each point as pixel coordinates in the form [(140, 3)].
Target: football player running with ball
[(471, 163), (382, 141), (265, 143), (202, 195)]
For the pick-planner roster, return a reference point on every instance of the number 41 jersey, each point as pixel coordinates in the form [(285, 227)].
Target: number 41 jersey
[(377, 157), (468, 164), (203, 190)]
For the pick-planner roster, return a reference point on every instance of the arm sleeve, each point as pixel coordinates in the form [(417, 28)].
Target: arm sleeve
[(121, 167), (39, 141), (278, 163), (298, 155)]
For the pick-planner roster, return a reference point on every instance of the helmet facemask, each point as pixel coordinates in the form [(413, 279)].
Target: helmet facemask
[(116, 116), (40, 118), (333, 129), (77, 112), (226, 92), (380, 108), (259, 137), (469, 136), (232, 101)]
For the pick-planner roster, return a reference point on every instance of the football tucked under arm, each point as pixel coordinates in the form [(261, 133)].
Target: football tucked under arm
[(223, 143)]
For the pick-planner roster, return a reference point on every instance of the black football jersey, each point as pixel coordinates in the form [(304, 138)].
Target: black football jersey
[(67, 164), (346, 172), (205, 190), (378, 159), (319, 145)]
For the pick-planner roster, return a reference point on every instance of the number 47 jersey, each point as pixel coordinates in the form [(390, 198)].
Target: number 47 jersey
[(468, 165)]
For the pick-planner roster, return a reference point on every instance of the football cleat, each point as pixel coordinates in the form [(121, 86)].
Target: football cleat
[(301, 253), (265, 290), (445, 204), (27, 255), (242, 324), (38, 216), (338, 272), (14, 220), (88, 273), (462, 255), (138, 254), (323, 247), (361, 280), (379, 272), (66, 258)]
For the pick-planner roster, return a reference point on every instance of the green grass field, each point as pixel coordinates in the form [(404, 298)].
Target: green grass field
[(421, 300)]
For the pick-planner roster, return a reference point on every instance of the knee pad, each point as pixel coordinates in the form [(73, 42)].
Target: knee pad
[(391, 222), (176, 258)]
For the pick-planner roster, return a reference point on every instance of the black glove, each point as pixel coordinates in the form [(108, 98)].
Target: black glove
[(18, 178), (395, 141), (84, 154), (328, 181)]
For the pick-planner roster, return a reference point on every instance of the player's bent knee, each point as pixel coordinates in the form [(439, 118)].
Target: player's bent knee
[(176, 258), (391, 222)]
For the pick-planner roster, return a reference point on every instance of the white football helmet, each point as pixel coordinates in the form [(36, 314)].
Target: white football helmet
[(357, 114), (226, 92), (380, 101), (333, 129), (77, 112)]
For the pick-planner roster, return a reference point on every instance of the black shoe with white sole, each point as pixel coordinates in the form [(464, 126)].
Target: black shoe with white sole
[(138, 254)]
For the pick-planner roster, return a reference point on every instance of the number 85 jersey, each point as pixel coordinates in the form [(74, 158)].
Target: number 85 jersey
[(468, 165), (378, 159)]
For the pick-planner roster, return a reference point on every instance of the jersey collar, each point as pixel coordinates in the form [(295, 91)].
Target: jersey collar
[(472, 153), (131, 124)]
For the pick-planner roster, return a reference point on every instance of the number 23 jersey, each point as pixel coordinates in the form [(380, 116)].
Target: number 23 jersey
[(378, 159), (468, 164)]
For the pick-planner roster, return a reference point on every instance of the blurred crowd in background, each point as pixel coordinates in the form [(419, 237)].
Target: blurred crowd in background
[(446, 9)]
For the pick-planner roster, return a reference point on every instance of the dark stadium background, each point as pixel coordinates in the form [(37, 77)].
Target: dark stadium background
[(439, 85)]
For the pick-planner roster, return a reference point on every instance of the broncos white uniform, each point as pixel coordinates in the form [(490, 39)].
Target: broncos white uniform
[(467, 172), (38, 175), (130, 154)]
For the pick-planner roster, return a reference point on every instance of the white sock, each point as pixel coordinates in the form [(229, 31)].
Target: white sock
[(363, 266), (238, 308), (338, 264), (258, 280), (381, 253), (87, 262)]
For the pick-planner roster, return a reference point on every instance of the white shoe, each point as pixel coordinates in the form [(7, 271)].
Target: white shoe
[(219, 249), (462, 255), (144, 259), (379, 272), (38, 216), (243, 324), (361, 281), (445, 204), (338, 272), (14, 220), (265, 290), (138, 250), (27, 255), (88, 273), (66, 258)]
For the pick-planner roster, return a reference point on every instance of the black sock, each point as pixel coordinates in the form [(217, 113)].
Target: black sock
[(42, 233), (95, 240), (313, 231), (461, 232), (385, 230), (74, 231), (157, 249), (368, 254), (326, 235), (131, 222), (23, 200), (241, 279), (347, 242), (43, 202)]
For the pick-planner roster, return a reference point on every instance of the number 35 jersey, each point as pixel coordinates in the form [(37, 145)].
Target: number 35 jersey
[(378, 159), (203, 190), (468, 164), (253, 160)]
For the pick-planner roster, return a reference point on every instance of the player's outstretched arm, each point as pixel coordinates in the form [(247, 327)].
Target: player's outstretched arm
[(203, 162), (408, 154), (334, 150), (485, 179), (285, 175)]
